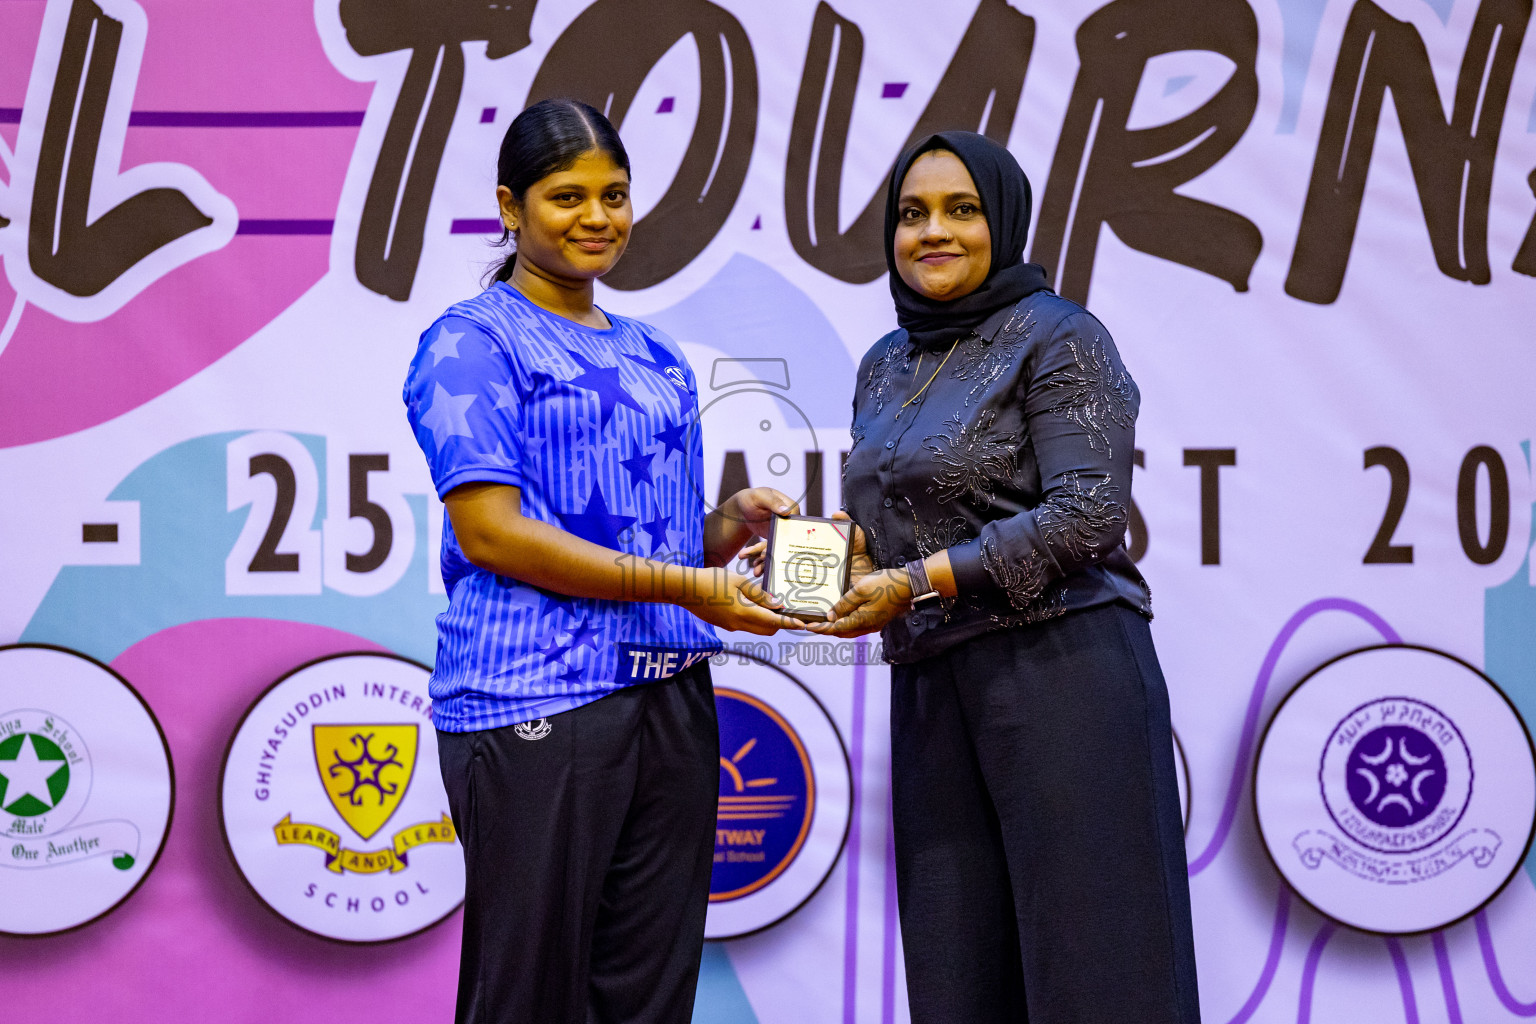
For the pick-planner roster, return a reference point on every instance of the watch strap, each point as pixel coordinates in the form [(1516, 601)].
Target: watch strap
[(917, 576)]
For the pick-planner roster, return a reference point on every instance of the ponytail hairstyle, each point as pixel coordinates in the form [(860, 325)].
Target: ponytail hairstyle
[(544, 139)]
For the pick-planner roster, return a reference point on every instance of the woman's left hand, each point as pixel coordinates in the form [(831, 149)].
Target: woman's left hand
[(872, 602)]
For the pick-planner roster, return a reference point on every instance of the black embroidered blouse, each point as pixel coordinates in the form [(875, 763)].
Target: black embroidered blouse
[(1017, 458)]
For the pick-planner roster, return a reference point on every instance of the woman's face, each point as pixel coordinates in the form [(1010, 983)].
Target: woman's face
[(572, 226), (943, 247)]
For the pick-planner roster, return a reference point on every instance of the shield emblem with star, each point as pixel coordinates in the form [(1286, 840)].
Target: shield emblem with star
[(366, 770)]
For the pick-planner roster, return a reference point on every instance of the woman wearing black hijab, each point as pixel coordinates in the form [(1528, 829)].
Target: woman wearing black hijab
[(1039, 852)]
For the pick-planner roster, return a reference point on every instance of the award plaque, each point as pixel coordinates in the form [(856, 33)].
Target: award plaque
[(806, 564)]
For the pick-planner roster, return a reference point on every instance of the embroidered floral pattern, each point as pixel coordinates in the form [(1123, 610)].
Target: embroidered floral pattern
[(874, 548), (1095, 395), (1023, 580), (971, 458), (1050, 605), (1018, 322), (983, 362), (878, 382), (856, 433), (941, 535), (1080, 522)]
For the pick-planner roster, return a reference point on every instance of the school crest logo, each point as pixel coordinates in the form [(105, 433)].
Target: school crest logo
[(34, 771), (332, 804), (366, 770), (1415, 802), (785, 797), (1397, 776), (85, 789)]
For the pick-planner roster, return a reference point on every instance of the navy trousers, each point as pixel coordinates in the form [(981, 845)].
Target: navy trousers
[(588, 851), (1040, 865)]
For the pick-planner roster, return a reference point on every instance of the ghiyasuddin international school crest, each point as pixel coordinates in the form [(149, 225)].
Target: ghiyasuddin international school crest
[(333, 807), (366, 771)]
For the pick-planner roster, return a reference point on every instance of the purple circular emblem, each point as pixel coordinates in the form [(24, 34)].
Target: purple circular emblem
[(1396, 776)]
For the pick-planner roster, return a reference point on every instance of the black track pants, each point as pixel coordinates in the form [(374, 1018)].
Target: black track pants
[(588, 854), (1040, 863)]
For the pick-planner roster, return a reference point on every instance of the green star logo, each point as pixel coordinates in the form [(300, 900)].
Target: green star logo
[(34, 775)]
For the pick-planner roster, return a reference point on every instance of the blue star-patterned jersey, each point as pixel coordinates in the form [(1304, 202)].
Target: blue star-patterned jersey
[(595, 428)]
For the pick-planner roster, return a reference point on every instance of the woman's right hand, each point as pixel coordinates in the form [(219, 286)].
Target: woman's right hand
[(731, 600), (859, 562), (868, 605)]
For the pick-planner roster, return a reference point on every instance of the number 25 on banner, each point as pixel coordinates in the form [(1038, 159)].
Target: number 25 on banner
[(362, 548)]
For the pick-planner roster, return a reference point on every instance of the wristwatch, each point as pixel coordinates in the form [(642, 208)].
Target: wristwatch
[(917, 576)]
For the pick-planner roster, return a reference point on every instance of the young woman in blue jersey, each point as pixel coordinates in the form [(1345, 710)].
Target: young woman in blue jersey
[(576, 723), (1040, 867)]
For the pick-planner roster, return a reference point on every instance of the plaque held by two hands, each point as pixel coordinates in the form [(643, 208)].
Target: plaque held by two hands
[(806, 564)]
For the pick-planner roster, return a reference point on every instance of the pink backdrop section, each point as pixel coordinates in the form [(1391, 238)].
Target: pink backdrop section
[(19, 19), (58, 377), (240, 56), (196, 942)]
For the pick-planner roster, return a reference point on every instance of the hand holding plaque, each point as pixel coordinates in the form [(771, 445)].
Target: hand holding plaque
[(806, 564)]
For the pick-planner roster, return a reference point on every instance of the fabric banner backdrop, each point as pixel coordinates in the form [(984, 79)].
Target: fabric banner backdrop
[(1310, 225)]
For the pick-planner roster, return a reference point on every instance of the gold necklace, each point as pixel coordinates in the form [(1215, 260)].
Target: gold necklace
[(931, 379)]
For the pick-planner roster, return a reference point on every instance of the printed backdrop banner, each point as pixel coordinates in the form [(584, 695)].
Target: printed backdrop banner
[(1308, 224)]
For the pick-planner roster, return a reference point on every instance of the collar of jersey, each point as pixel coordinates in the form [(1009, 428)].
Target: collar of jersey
[(539, 310)]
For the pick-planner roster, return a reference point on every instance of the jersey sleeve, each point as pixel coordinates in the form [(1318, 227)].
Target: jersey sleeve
[(464, 397)]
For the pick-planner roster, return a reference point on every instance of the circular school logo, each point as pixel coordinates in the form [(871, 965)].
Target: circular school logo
[(85, 789), (332, 805), (1367, 797), (786, 796), (35, 781), (1396, 775)]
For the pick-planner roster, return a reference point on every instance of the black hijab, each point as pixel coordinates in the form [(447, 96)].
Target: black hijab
[(1005, 200)]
